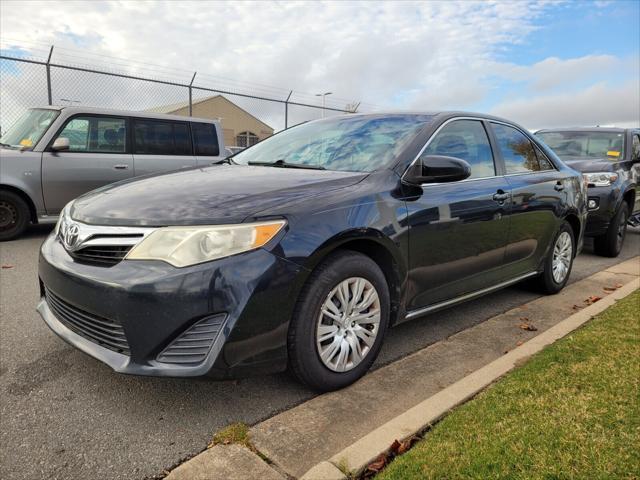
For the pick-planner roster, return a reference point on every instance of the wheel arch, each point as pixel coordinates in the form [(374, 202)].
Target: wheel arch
[(376, 246), (574, 221), (629, 196)]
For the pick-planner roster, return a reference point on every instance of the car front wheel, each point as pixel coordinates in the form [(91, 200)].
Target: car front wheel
[(14, 215), (339, 322), (610, 244)]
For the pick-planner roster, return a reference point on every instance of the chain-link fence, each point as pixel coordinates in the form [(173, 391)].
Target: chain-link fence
[(52, 78)]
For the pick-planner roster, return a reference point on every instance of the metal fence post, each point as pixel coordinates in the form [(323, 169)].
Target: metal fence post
[(49, 94), (190, 95), (286, 110)]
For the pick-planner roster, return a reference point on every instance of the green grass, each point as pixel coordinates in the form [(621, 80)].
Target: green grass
[(571, 412), (234, 433)]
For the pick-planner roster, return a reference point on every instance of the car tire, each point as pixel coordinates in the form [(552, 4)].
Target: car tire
[(610, 244), (560, 252), (14, 215), (312, 333)]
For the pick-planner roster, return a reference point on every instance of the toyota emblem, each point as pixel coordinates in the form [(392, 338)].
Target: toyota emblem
[(71, 235)]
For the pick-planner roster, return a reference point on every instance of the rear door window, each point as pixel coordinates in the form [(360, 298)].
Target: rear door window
[(205, 139), (517, 150), (154, 137)]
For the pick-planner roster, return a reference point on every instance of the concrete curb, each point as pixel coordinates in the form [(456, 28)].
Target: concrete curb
[(357, 456)]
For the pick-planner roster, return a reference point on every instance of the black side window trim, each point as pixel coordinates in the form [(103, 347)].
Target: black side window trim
[(160, 120), (127, 126)]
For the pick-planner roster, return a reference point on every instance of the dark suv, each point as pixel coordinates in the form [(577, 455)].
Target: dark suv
[(609, 159), (336, 230)]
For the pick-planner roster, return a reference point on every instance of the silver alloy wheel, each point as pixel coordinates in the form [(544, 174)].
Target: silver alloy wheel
[(562, 251), (348, 324)]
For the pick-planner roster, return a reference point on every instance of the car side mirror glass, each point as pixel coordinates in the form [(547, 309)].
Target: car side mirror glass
[(437, 169), (60, 144)]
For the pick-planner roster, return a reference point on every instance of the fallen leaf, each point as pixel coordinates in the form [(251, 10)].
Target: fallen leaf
[(378, 464), (6, 266), (618, 285), (592, 299), (609, 289), (519, 342), (576, 307), (528, 327), (395, 446), (406, 445)]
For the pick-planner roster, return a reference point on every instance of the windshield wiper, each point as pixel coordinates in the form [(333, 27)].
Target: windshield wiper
[(224, 160), (283, 164)]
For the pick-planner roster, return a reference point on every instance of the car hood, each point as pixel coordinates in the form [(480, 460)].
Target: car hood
[(587, 165), (202, 196)]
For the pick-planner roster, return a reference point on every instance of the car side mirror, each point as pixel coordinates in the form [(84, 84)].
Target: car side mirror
[(437, 169), (60, 144)]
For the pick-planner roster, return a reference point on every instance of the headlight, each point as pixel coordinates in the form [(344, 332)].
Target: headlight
[(183, 246), (600, 179), (62, 219)]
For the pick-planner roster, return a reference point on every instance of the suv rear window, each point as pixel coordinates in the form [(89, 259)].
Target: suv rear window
[(205, 139), (155, 137)]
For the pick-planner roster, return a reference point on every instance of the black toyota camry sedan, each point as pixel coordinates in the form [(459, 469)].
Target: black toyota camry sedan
[(305, 250)]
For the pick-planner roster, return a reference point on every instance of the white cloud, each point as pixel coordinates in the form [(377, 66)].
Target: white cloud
[(597, 105), (418, 55), (553, 72)]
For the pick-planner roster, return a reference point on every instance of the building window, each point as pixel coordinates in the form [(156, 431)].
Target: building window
[(246, 139)]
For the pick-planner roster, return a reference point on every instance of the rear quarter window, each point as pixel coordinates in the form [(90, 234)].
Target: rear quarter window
[(205, 139)]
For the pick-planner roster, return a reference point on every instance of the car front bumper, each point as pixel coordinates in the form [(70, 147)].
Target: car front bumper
[(599, 217), (131, 314)]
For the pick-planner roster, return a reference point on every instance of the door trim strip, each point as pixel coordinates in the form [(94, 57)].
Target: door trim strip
[(467, 296)]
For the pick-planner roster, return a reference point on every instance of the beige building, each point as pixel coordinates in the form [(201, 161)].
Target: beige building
[(240, 128)]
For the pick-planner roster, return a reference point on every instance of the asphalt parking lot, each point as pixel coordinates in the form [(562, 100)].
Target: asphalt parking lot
[(65, 415)]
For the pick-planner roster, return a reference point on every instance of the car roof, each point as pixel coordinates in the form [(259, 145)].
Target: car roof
[(440, 115), (72, 110), (587, 129)]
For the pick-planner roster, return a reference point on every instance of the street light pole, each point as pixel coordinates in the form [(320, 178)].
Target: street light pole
[(323, 95)]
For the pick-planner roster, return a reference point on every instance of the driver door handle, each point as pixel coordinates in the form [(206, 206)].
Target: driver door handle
[(122, 166), (559, 186), (501, 196)]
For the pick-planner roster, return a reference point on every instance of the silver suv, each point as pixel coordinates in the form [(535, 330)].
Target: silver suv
[(52, 155)]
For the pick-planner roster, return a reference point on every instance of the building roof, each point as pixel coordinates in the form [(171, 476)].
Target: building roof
[(177, 106)]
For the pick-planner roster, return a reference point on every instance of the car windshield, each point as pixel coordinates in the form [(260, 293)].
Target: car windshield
[(585, 145), (29, 128), (349, 143)]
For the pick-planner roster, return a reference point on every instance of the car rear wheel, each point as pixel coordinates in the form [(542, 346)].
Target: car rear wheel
[(14, 215), (339, 322), (559, 262), (610, 244)]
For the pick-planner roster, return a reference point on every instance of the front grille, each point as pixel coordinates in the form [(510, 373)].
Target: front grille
[(104, 332), (193, 345), (102, 254)]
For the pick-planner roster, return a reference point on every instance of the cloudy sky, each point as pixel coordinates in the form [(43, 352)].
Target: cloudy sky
[(539, 63)]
